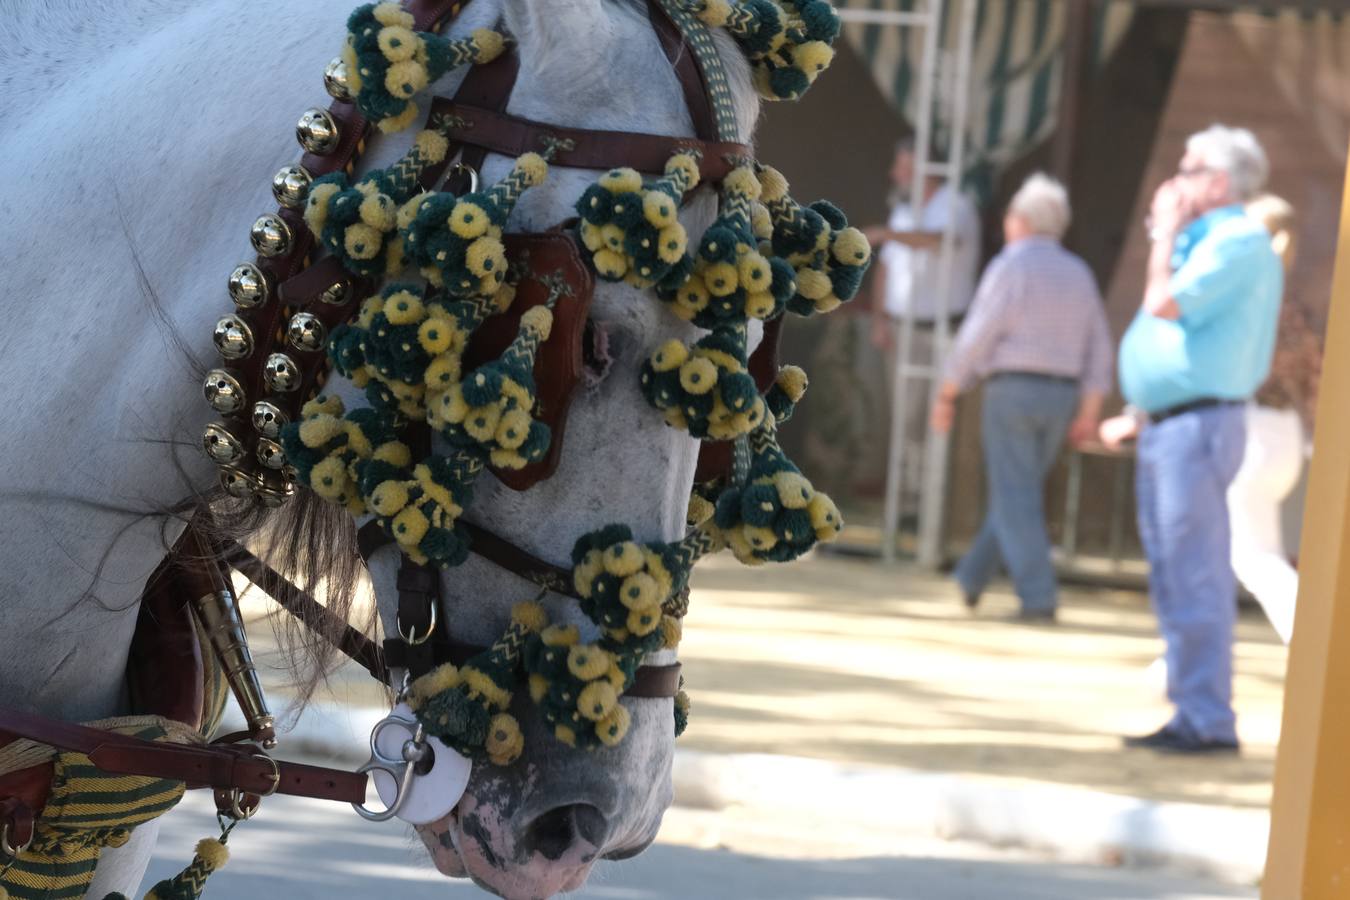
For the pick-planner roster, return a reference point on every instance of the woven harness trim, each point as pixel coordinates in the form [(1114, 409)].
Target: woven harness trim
[(699, 38)]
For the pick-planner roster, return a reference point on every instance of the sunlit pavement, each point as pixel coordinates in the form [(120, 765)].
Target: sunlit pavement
[(301, 849)]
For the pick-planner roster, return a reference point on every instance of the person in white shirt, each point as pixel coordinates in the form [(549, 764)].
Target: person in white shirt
[(905, 281)]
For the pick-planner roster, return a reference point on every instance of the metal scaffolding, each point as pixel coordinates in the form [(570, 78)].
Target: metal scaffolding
[(943, 83)]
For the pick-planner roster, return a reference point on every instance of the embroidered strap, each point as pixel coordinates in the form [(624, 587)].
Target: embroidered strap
[(698, 38)]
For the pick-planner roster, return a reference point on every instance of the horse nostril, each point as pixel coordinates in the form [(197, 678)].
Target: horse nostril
[(556, 831)]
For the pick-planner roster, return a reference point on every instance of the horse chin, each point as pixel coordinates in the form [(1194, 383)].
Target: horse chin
[(477, 853)]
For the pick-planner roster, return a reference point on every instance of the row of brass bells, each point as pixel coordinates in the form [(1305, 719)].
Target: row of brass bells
[(271, 487), (271, 236), (306, 332), (317, 131), (249, 286)]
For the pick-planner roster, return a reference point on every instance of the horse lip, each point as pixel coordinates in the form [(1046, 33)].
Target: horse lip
[(628, 852)]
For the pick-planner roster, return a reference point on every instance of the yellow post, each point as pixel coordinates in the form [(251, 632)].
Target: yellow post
[(1309, 853)]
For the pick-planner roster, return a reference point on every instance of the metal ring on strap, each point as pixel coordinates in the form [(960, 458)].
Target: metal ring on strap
[(8, 849), (242, 813), (415, 639)]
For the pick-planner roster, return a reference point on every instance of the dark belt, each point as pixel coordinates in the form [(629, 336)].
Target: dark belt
[(1203, 403), (1017, 373)]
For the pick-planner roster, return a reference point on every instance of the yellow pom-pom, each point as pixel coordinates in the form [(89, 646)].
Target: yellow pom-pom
[(361, 241), (792, 381), (700, 510), (754, 272), (698, 375), (436, 336), (591, 237), (324, 404), (825, 518), (489, 45), (403, 308), (683, 166), (813, 57), (513, 428), (671, 243), (485, 257), (851, 248), (623, 559), (406, 78), (693, 295), (639, 591), (762, 539), (794, 491), (533, 167), (212, 853), (504, 740), (827, 304), (567, 735), (398, 42), (761, 222), (529, 615), (540, 319), (316, 207), (439, 680), (408, 211), (773, 186), (597, 699), (481, 422), (610, 264), (672, 632), (468, 220), (410, 526), (431, 145), (538, 686), (560, 635), (612, 728), (587, 661), (480, 685), (720, 279), (621, 181), (328, 478), (813, 284), (670, 355), (658, 209), (760, 305), (715, 13), (454, 408), (742, 181), (388, 498), (316, 432), (644, 621), (396, 453), (584, 572), (392, 14)]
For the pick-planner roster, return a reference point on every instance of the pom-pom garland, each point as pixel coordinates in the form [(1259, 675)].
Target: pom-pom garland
[(789, 42), (389, 63), (706, 390), (632, 230)]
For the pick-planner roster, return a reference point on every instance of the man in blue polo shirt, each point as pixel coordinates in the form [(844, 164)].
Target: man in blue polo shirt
[(1198, 349)]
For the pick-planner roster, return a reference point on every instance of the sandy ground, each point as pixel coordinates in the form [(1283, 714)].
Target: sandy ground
[(852, 661)]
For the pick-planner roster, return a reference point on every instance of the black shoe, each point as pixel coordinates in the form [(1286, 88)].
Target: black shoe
[(971, 600), (1032, 617), (1169, 740)]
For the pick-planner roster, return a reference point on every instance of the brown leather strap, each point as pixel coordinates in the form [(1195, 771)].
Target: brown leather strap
[(223, 767), (581, 148)]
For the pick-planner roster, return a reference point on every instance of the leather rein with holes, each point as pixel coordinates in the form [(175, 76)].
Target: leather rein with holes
[(476, 123)]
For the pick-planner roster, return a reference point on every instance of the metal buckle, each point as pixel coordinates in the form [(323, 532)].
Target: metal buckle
[(415, 639), (243, 813), (460, 168), (9, 849), (413, 751)]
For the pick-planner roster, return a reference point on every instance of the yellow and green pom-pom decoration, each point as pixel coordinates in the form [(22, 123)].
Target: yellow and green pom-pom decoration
[(388, 63), (789, 42), (706, 390), (632, 229)]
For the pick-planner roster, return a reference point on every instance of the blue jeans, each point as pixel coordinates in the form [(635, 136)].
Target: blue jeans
[(1024, 420), (1184, 466)]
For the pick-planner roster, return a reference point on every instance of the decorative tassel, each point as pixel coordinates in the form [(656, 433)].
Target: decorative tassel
[(789, 43), (210, 855), (456, 241), (357, 223), (388, 63), (708, 390)]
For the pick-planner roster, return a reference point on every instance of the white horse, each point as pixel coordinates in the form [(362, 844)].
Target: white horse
[(139, 140)]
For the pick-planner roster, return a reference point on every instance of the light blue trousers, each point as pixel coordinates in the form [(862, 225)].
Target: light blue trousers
[(1024, 420), (1184, 466)]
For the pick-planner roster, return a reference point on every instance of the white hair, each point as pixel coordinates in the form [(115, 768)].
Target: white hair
[(1043, 203), (1235, 152)]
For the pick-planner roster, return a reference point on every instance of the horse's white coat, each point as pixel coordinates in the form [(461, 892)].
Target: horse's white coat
[(141, 136)]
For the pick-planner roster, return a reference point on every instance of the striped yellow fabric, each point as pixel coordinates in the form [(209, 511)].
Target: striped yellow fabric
[(88, 809)]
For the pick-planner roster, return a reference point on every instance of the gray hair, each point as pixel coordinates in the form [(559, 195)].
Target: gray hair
[(1043, 203), (1235, 152)]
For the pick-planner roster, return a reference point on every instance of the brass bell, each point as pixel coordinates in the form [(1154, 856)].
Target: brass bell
[(306, 332), (238, 483), (281, 373), (271, 236), (223, 391), (291, 186), (249, 286), (270, 454), (317, 132), (268, 419), (335, 80), (221, 444), (273, 488), (233, 338), (335, 294)]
